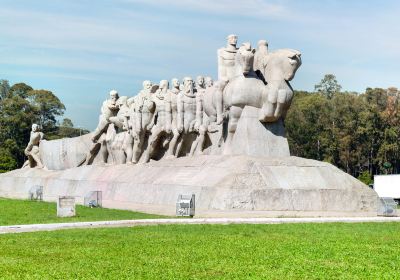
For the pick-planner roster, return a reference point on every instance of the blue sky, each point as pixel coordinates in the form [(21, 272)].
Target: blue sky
[(82, 49)]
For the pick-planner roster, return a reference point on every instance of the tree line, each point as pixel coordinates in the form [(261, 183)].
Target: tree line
[(357, 132), (20, 107)]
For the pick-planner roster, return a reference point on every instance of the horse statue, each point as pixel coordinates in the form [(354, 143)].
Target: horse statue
[(247, 89)]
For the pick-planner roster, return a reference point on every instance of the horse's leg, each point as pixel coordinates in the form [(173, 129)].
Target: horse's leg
[(234, 116), (219, 103), (267, 110)]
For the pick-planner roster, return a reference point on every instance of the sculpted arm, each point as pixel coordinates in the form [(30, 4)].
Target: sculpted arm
[(199, 111), (168, 113), (180, 113)]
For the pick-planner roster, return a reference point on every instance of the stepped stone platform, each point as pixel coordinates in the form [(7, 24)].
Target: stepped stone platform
[(224, 185)]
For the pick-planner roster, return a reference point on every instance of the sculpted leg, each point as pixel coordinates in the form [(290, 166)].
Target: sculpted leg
[(137, 147), (199, 143), (154, 136), (219, 101), (172, 143), (128, 148), (104, 151), (101, 128), (234, 115)]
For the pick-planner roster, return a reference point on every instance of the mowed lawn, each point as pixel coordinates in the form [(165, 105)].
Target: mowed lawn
[(286, 251), (18, 212)]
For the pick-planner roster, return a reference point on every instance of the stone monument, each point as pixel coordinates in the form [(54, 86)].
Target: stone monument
[(223, 142)]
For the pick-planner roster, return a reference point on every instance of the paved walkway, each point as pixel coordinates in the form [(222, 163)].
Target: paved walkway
[(209, 221)]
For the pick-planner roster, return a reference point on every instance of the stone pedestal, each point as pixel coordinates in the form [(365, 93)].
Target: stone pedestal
[(224, 186), (255, 138)]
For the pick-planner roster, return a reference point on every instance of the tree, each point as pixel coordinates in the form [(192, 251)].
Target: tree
[(20, 89), (4, 88), (47, 107), (67, 123), (328, 86), (7, 161)]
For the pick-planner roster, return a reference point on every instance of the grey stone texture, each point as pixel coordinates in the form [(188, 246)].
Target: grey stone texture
[(255, 138), (66, 206), (225, 186)]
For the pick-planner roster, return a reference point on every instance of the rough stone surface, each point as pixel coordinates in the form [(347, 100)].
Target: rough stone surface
[(65, 153), (255, 138), (66, 206), (230, 186)]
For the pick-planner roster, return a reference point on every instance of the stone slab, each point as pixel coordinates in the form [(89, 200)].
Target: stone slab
[(225, 186), (255, 138)]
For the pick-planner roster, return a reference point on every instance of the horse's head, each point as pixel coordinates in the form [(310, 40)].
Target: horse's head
[(282, 64), (244, 59)]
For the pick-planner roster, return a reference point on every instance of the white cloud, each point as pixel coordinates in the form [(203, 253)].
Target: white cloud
[(249, 8)]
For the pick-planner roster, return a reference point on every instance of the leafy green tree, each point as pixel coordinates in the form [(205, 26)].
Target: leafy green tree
[(20, 89), (67, 123), (7, 161), (365, 177), (4, 88), (328, 86), (47, 108)]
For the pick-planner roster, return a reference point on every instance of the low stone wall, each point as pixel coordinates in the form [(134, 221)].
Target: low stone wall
[(229, 186)]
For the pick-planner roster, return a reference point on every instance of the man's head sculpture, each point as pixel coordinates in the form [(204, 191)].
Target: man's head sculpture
[(114, 96), (232, 39), (200, 82), (164, 84), (35, 127), (122, 101), (147, 85), (209, 82), (175, 83)]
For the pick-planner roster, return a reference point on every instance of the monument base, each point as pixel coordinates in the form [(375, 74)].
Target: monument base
[(224, 186)]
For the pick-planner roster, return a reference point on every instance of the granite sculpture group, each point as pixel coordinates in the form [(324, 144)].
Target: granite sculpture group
[(223, 141), (186, 119)]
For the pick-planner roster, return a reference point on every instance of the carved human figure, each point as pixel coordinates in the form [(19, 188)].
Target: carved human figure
[(172, 115), (121, 119), (259, 59), (186, 108), (143, 118), (160, 127), (201, 124), (108, 109), (32, 149), (122, 143), (226, 71)]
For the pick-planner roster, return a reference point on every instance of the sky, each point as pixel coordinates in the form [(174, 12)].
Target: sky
[(81, 49)]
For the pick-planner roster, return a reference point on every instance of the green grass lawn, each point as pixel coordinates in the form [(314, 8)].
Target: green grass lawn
[(18, 212), (286, 251)]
